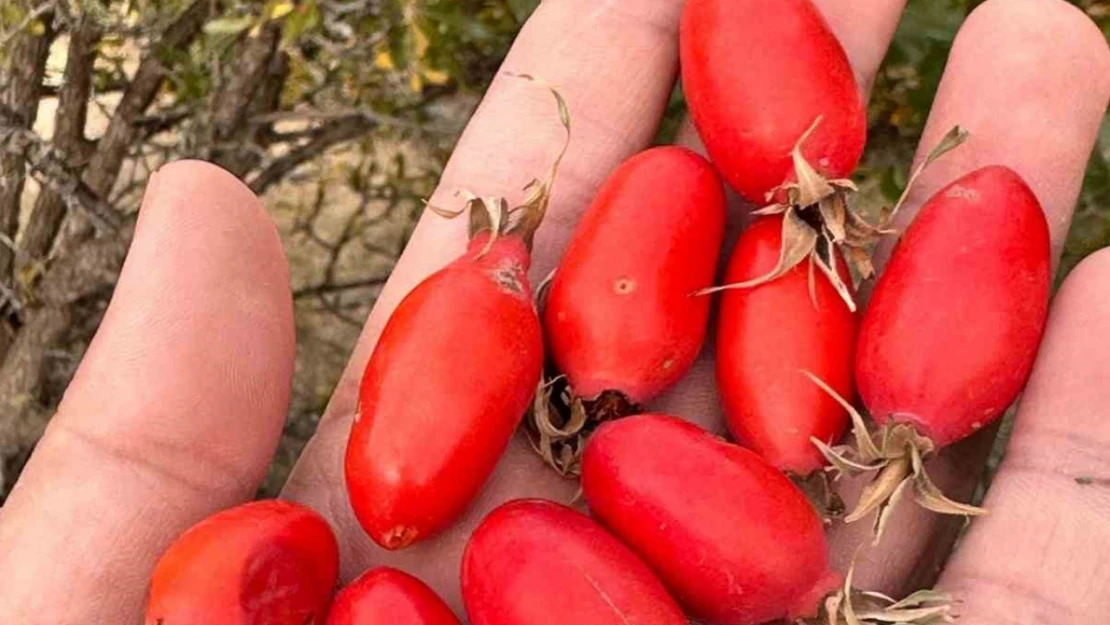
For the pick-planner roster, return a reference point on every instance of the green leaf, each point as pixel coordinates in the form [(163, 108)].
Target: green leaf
[(229, 25)]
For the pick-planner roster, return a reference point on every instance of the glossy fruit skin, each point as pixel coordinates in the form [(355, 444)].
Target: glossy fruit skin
[(953, 325), (735, 541), (386, 596), (619, 315), (534, 562), (261, 563), (766, 336), (756, 76), (450, 378)]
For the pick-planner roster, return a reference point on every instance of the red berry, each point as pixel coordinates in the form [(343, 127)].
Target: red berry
[(735, 541), (385, 596), (954, 323), (450, 378), (766, 336), (619, 315), (262, 563), (756, 75), (535, 562)]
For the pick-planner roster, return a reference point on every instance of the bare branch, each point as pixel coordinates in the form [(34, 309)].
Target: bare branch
[(327, 136), (111, 149), (19, 103), (69, 139), (50, 168)]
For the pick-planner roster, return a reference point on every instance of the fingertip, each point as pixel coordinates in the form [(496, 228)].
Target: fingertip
[(213, 196), (195, 351), (1090, 278), (1055, 23)]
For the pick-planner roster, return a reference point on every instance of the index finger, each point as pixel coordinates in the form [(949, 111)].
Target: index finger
[(615, 64)]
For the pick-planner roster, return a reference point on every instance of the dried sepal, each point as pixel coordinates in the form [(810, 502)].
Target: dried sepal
[(534, 208), (830, 271), (799, 241), (492, 214), (855, 607), (829, 218), (772, 209), (895, 453), (888, 480), (928, 496), (559, 423), (950, 141), (814, 209), (886, 511)]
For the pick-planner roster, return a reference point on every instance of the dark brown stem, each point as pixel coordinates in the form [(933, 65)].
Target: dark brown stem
[(326, 136), (69, 140), (112, 148), (19, 104), (250, 84)]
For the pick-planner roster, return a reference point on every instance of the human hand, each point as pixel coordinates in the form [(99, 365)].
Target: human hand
[(179, 402)]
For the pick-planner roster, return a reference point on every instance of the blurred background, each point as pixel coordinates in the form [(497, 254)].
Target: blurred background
[(339, 113)]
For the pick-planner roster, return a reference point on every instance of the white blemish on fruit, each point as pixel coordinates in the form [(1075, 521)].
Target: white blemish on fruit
[(509, 277), (668, 363), (962, 192)]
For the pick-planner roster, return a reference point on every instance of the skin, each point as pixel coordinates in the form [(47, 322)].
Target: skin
[(177, 408)]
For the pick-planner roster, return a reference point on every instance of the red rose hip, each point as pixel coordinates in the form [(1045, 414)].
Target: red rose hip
[(262, 563), (756, 75), (767, 335), (731, 536), (385, 596), (535, 562)]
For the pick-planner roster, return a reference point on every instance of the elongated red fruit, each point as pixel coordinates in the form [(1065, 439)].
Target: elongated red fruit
[(767, 335), (534, 562), (756, 75), (450, 378), (385, 596), (262, 563), (954, 322), (733, 538), (619, 315)]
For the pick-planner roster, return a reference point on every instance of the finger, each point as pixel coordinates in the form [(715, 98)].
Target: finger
[(1029, 80), (174, 412), (1041, 555), (615, 64)]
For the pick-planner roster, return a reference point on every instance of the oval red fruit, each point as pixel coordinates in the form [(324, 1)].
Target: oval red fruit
[(733, 538), (535, 562), (619, 315), (385, 596), (262, 563), (766, 336), (450, 378), (949, 337), (756, 75)]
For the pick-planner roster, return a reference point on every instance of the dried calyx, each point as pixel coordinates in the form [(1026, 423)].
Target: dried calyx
[(817, 219), (821, 494), (559, 422), (849, 606), (895, 453), (492, 214)]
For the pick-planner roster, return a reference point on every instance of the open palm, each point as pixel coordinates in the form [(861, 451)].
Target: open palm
[(178, 406)]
